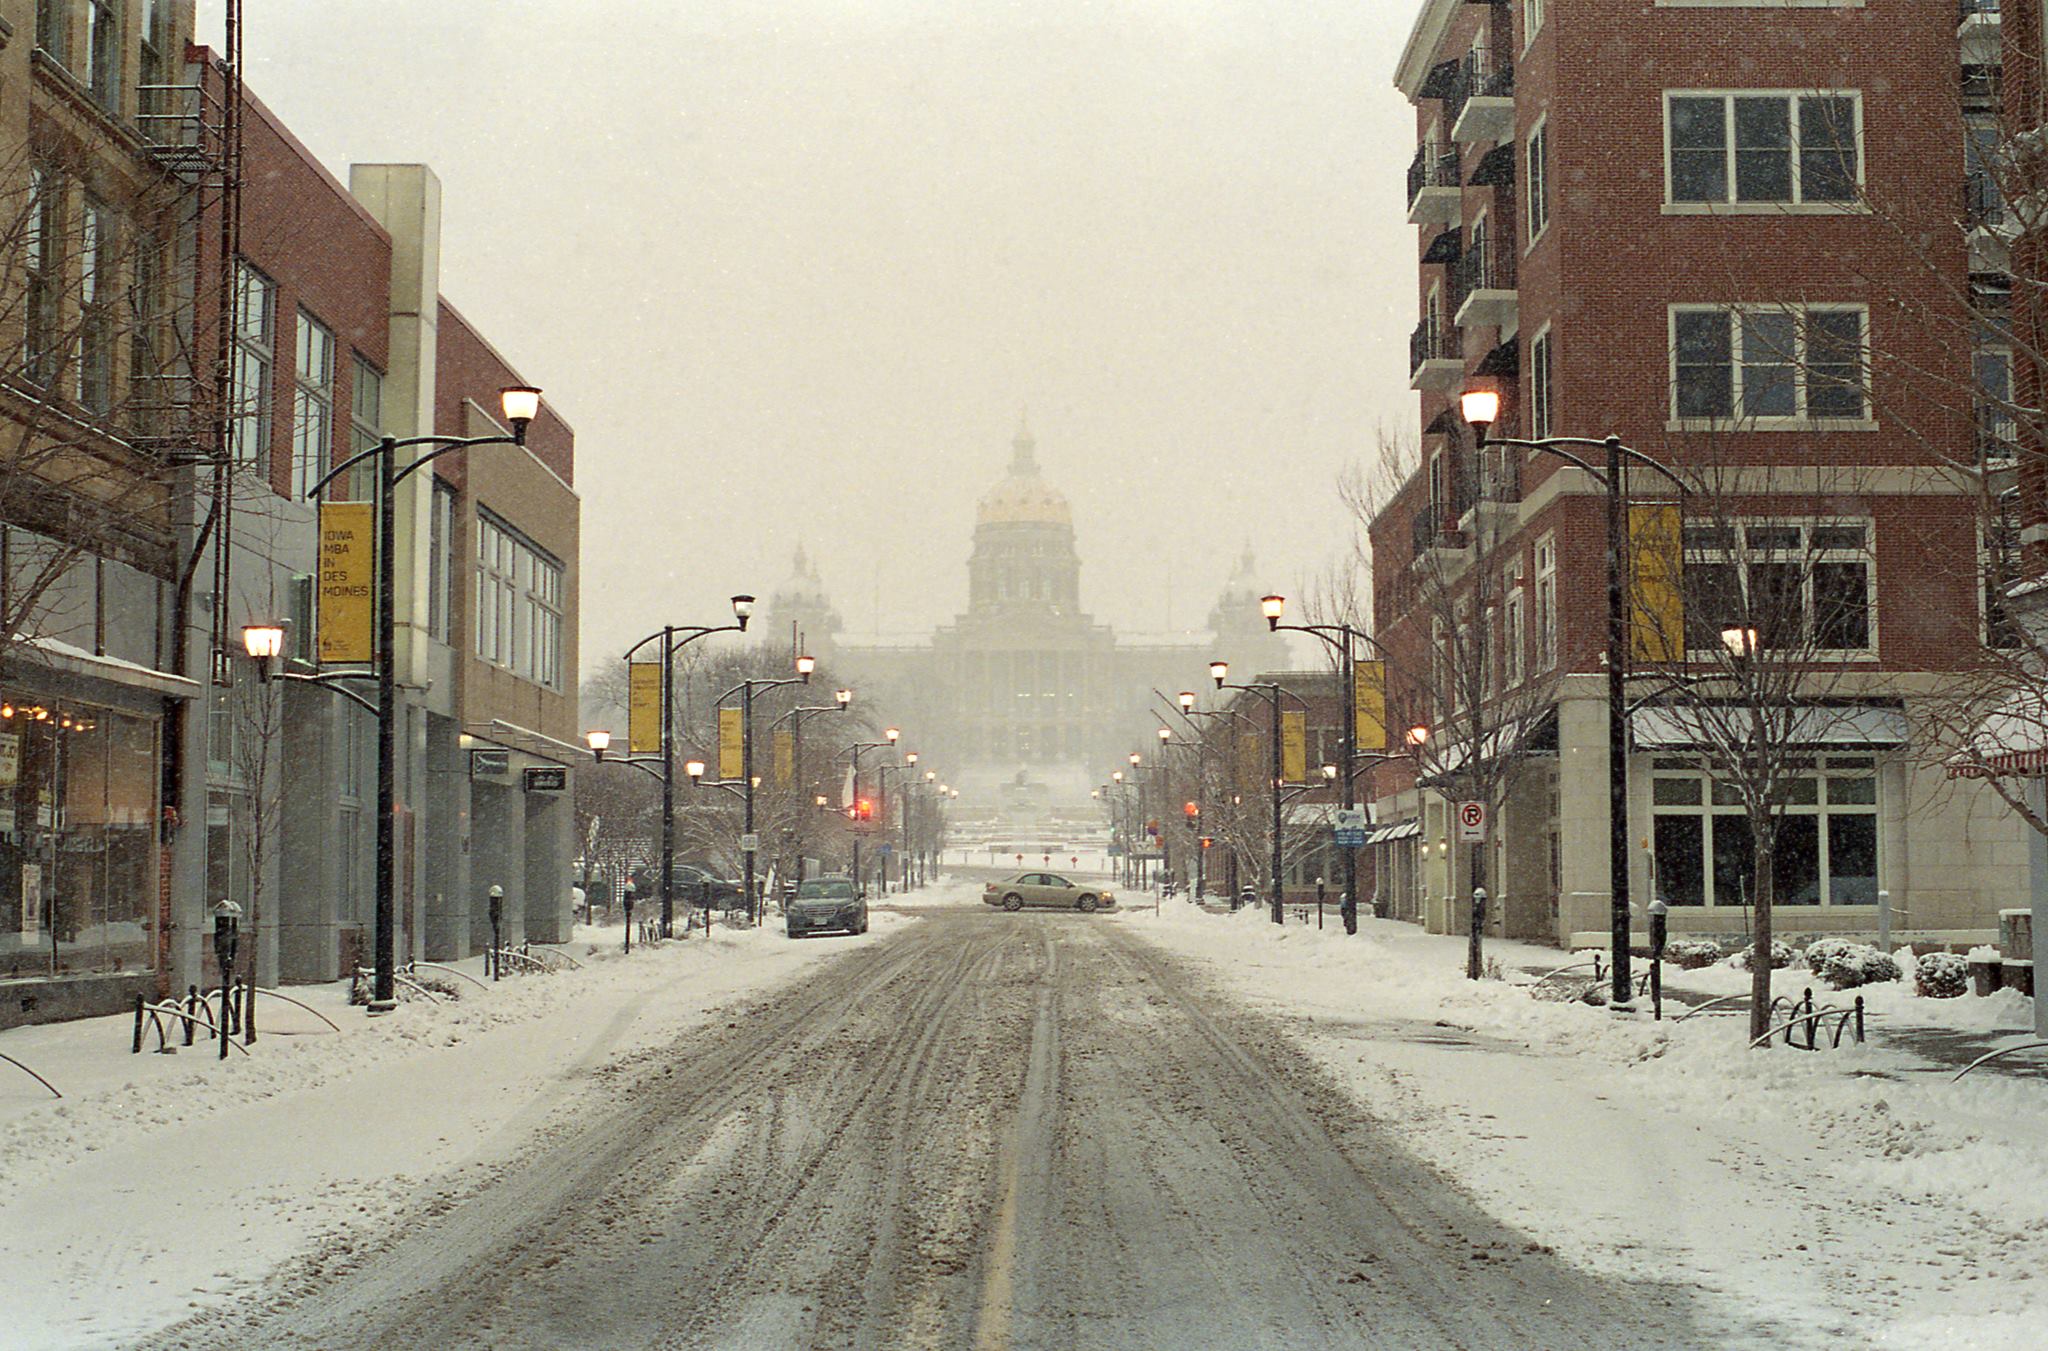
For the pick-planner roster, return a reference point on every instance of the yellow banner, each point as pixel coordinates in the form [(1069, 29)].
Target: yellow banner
[(348, 591), (1656, 609), (785, 758), (643, 707), (732, 757), (1293, 746), (1369, 704)]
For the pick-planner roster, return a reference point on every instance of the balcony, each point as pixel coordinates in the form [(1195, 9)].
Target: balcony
[(1435, 541), (1486, 282), (1434, 195), (1979, 31), (1436, 357), (1481, 103)]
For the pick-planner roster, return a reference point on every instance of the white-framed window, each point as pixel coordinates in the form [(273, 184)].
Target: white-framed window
[(1532, 20), (441, 567), (1433, 315), (1514, 626), (1540, 385), (312, 404), (1827, 850), (53, 29), (1537, 176), (97, 289), (519, 596), (42, 262), (1806, 587), (365, 429), (1546, 603), (1996, 426), (1763, 147), (249, 376), (1769, 365), (1480, 265)]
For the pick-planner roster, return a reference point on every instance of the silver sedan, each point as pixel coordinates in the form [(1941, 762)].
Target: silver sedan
[(1046, 891)]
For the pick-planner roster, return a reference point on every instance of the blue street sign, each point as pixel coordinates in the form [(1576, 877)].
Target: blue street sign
[(885, 849), (1350, 839)]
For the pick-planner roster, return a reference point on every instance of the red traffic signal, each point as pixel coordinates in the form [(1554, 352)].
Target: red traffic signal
[(1191, 810), (863, 810), (1208, 840)]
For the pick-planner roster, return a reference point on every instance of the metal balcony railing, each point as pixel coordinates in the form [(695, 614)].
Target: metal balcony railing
[(1967, 9), (1482, 73), (1433, 342), (1486, 268), (1434, 166)]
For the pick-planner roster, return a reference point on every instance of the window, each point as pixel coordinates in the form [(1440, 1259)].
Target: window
[(1532, 20), (147, 399), (1803, 588), (1762, 147), (102, 62), (312, 404), (1776, 366), (1539, 179), (518, 604), (43, 262), (95, 380), (53, 29), (1540, 385), (1704, 854), (366, 428), (249, 377), (441, 569), (1514, 634), (1983, 166), (151, 71), (1996, 426), (1546, 603)]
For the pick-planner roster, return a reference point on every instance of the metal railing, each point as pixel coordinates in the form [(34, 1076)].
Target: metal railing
[(1483, 73), (1983, 203), (1433, 342), (1434, 166), (1486, 268)]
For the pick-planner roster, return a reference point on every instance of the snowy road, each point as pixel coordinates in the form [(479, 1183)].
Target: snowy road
[(985, 1130)]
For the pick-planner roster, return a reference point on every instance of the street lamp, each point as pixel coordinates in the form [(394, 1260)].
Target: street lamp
[(1481, 408), (1345, 640), (599, 741), (748, 780), (841, 700), (520, 405), (1270, 691), (674, 638)]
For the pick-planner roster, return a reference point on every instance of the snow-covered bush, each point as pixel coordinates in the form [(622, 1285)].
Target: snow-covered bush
[(1781, 957), (1851, 964), (1940, 975), (1691, 954), (1817, 954)]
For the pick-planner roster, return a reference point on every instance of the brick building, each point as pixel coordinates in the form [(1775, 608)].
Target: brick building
[(1729, 234)]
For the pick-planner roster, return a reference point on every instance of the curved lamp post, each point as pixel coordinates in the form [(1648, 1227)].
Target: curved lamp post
[(520, 405)]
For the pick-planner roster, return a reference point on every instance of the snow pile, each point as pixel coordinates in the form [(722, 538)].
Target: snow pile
[(1896, 1200)]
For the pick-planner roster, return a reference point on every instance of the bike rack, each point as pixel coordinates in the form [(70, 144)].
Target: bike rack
[(31, 1074), (1711, 1003), (1993, 1055), (551, 953), (1813, 1017), (532, 962), (451, 971), (405, 980), (158, 1010)]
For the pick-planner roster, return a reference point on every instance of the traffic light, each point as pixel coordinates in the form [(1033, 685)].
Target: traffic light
[(863, 810), (1208, 840), (1191, 810)]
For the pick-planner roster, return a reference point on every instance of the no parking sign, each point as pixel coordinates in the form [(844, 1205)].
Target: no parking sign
[(1471, 822)]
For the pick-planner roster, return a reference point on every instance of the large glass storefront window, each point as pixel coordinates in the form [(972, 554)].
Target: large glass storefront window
[(1827, 836), (78, 872)]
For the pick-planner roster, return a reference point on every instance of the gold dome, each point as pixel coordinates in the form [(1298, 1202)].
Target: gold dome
[(1023, 498)]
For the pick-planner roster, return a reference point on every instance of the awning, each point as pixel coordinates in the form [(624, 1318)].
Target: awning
[(537, 744), (2013, 740), (1307, 813), (57, 656), (1399, 830), (1446, 248), (1685, 726), (1532, 736)]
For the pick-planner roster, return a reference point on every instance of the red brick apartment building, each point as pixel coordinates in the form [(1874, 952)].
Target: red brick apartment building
[(1753, 239)]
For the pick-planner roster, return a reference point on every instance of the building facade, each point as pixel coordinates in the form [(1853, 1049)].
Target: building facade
[(1729, 235), (1024, 681)]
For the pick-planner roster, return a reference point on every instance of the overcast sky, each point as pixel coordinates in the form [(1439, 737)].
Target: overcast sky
[(792, 267)]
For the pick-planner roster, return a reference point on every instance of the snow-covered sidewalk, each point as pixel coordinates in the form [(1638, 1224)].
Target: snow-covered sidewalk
[(1843, 1194), (163, 1183)]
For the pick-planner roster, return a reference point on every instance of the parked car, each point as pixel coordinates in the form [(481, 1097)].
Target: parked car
[(1047, 891), (825, 903), (694, 885)]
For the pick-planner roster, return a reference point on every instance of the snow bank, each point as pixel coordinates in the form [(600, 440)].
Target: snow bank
[(1846, 1193)]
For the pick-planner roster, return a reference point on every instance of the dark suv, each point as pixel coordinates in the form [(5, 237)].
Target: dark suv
[(693, 886), (823, 903)]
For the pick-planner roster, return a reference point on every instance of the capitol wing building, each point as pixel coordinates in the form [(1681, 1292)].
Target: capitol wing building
[(1024, 689)]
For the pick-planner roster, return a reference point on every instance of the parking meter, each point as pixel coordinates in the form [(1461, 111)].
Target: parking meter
[(1660, 918), (227, 933), (632, 889)]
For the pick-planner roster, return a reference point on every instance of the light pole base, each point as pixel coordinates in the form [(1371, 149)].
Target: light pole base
[(378, 1007), (1628, 1010)]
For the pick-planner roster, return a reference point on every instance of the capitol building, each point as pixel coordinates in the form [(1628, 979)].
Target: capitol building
[(1023, 688)]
